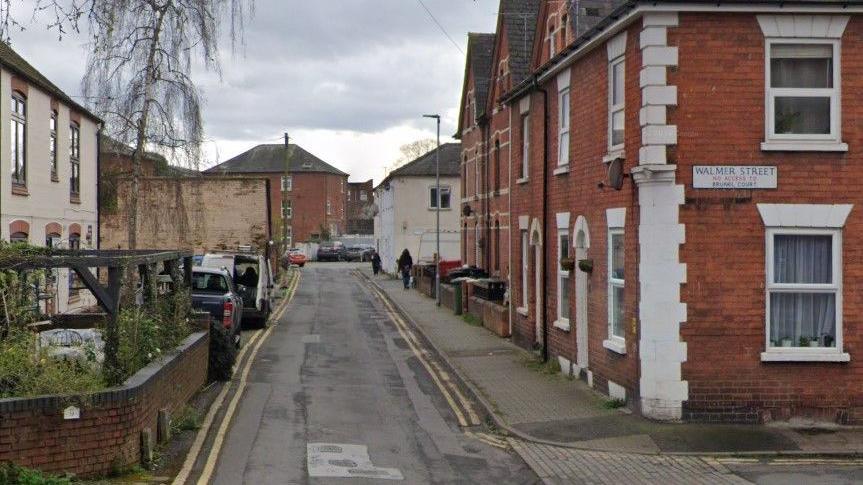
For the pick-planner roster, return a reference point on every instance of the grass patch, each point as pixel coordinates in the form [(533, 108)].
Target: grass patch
[(13, 474), (188, 419), (614, 404), (471, 320), (552, 367)]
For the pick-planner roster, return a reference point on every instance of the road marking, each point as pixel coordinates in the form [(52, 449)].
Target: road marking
[(336, 460), (439, 376), (489, 440), (201, 437)]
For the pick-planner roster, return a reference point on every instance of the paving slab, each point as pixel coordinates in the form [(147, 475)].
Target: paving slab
[(553, 409)]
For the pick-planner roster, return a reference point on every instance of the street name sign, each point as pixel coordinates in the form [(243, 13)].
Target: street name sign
[(734, 176)]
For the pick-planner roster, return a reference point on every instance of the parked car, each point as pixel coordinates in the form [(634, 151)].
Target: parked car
[(295, 256), (331, 251), (253, 278), (360, 252), (213, 291)]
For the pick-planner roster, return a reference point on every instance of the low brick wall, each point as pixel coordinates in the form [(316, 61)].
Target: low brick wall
[(493, 316), (107, 436), (447, 297)]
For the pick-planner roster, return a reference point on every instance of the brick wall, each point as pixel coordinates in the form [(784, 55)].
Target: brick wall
[(33, 432), (309, 196), (720, 117), (358, 211), (577, 193), (198, 213)]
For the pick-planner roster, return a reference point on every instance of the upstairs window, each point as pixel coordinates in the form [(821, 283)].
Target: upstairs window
[(616, 103), (52, 145), (525, 146), (563, 132), (287, 209), (443, 202), (551, 46), (18, 145), (803, 90), (287, 183), (75, 159), (364, 196)]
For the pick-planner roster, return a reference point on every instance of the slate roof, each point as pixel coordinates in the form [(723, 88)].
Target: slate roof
[(424, 166), (14, 62), (519, 19), (271, 159), (480, 51)]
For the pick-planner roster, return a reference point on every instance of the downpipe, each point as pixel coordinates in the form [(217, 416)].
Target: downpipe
[(544, 245)]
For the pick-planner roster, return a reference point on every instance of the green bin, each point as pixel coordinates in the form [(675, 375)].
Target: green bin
[(457, 298)]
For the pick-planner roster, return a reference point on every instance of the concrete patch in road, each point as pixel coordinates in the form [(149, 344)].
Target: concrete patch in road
[(311, 339), (337, 460)]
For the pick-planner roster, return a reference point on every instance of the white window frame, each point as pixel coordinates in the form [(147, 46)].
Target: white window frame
[(561, 322), (476, 179), (563, 122), (287, 209), (329, 208), (477, 245), (443, 188), (618, 342), (802, 141), (364, 196), (289, 236), (786, 354), (616, 108), (287, 183), (525, 146), (525, 255)]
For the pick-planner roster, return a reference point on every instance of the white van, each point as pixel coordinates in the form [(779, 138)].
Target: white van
[(253, 278)]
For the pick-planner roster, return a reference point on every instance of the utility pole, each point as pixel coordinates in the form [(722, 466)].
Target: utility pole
[(437, 213)]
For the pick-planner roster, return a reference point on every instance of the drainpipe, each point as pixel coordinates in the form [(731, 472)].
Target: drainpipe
[(98, 230), (544, 219)]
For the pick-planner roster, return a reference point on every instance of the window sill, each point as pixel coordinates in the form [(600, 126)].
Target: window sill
[(805, 355), (522, 310), (803, 146), (561, 170), (612, 156), (19, 189), (445, 209), (523, 180), (562, 324), (615, 344)]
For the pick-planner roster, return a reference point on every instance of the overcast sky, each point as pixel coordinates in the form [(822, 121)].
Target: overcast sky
[(348, 79)]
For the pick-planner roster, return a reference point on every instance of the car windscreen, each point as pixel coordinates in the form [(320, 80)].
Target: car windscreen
[(209, 283)]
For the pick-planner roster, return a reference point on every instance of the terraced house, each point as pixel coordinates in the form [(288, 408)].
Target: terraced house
[(48, 196), (685, 229)]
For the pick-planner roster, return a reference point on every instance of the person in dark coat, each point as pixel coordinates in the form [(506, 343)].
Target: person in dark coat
[(376, 262), (406, 262)]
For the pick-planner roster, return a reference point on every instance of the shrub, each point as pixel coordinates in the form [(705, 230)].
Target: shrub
[(11, 474), (223, 353), (26, 371)]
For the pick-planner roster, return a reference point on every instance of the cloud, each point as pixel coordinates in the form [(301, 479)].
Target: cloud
[(349, 79)]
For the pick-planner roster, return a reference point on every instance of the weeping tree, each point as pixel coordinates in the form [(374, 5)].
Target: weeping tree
[(139, 73)]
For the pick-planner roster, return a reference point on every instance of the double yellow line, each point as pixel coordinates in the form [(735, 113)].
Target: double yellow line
[(460, 405), (255, 344)]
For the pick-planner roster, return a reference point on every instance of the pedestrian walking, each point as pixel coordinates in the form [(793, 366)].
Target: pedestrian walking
[(376, 262), (406, 262)]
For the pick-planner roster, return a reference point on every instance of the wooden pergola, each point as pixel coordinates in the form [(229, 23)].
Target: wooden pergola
[(117, 262)]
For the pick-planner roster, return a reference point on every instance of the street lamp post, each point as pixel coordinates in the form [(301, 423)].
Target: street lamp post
[(437, 212)]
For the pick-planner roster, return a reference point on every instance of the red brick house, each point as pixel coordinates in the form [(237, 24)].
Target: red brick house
[(307, 193), (361, 218), (495, 64), (684, 231)]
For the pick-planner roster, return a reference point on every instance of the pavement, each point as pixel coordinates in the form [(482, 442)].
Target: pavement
[(337, 393), (553, 410)]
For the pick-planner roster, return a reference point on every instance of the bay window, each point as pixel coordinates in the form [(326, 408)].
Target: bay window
[(804, 301)]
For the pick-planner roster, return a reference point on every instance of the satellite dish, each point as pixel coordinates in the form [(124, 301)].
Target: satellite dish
[(615, 174)]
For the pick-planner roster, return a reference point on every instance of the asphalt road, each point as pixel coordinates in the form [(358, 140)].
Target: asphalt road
[(335, 376)]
